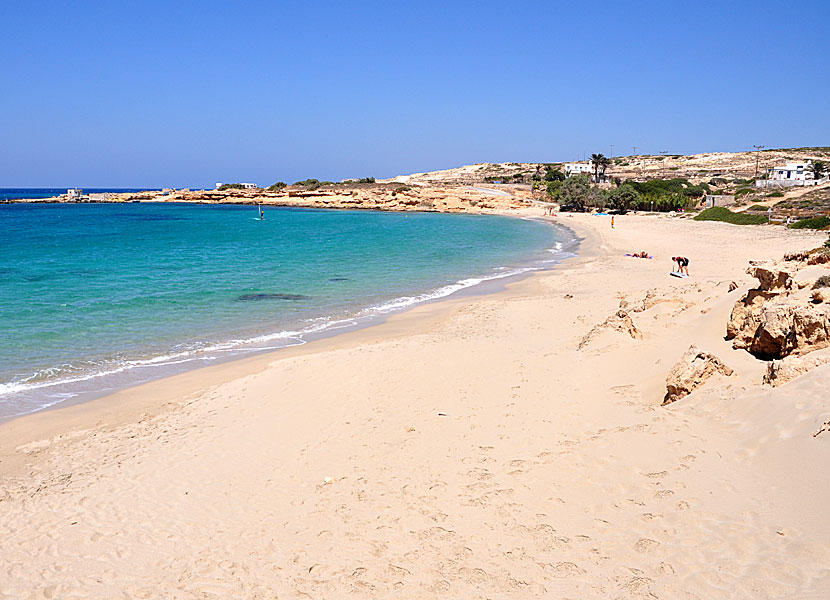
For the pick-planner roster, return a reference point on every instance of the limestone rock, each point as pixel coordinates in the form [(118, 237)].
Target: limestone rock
[(781, 371), (733, 286), (781, 317), (773, 276), (692, 371), (619, 321), (780, 327)]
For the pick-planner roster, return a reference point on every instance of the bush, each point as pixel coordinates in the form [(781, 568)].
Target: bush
[(553, 188), (813, 223), (758, 207), (311, 184), (743, 191), (623, 198), (280, 185), (554, 175), (775, 195), (230, 186), (823, 281), (720, 213)]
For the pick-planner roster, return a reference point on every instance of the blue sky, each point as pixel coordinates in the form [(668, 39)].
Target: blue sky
[(185, 94)]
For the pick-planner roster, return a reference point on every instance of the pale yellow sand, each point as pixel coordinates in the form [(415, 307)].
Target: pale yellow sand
[(465, 449)]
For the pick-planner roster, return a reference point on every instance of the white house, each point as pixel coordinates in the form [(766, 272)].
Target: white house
[(578, 168), (75, 194), (249, 186), (792, 171)]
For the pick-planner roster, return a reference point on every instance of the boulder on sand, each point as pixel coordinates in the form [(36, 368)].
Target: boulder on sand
[(692, 371)]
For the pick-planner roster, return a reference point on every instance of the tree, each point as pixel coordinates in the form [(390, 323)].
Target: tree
[(597, 161), (818, 168), (623, 198), (575, 191), (603, 164), (554, 189), (554, 175)]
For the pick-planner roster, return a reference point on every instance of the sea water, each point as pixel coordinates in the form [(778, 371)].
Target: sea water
[(96, 297)]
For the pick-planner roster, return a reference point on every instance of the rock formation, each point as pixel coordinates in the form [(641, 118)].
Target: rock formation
[(692, 371), (619, 321), (780, 317), (781, 371)]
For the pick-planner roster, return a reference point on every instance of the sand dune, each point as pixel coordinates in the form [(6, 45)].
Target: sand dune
[(473, 448)]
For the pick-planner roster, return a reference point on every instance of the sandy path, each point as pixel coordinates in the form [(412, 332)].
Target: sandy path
[(465, 449)]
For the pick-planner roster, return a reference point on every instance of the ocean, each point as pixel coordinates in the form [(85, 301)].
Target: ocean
[(98, 297)]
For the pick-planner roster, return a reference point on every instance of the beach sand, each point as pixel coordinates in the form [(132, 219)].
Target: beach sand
[(480, 447)]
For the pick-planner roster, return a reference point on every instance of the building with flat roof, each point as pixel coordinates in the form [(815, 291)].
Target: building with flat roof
[(578, 168)]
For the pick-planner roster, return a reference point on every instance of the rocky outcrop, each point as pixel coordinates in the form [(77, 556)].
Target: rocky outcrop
[(773, 276), (619, 321), (817, 256), (780, 317), (692, 371), (781, 371)]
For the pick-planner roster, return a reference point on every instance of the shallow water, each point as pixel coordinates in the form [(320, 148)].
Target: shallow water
[(94, 297)]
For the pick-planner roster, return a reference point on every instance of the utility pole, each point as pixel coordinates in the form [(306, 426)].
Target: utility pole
[(662, 165), (612, 151), (757, 158), (634, 154)]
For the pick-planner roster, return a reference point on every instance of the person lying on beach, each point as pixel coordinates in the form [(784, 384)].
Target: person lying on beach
[(642, 254)]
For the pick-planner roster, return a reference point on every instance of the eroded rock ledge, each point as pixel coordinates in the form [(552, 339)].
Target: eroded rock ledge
[(783, 315)]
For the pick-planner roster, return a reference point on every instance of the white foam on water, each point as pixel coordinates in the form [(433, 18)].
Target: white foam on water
[(67, 375)]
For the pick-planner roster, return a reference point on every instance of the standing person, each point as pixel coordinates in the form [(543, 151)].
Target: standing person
[(612, 221)]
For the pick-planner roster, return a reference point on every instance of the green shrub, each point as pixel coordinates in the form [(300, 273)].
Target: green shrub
[(280, 185), (775, 195), (813, 223), (554, 175), (230, 186), (758, 207), (720, 213), (742, 191), (823, 281)]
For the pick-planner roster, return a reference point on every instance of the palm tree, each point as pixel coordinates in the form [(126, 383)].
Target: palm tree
[(818, 168), (600, 162), (604, 164)]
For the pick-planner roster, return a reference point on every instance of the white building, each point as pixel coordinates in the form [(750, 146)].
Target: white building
[(792, 171), (578, 168), (75, 194)]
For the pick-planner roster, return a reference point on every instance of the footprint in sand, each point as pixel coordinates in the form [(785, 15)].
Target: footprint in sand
[(645, 545)]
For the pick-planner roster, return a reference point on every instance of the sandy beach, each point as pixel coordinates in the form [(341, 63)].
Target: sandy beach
[(492, 446)]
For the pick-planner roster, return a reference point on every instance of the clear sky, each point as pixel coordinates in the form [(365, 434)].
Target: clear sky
[(184, 94)]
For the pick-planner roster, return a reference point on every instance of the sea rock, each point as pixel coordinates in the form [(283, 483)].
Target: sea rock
[(692, 371), (781, 371), (256, 297)]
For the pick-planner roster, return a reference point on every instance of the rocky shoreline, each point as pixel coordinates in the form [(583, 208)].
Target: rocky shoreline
[(386, 197)]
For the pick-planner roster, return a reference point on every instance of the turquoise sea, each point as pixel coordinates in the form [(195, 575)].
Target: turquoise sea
[(97, 297)]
